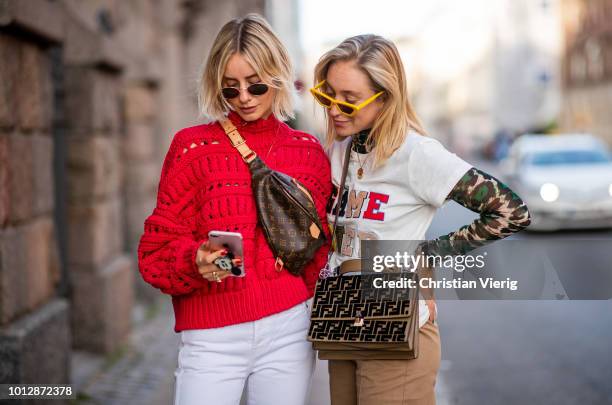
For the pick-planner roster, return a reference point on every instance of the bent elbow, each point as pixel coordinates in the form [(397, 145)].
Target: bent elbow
[(521, 218)]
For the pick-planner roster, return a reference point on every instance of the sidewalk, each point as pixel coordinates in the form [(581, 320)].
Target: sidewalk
[(142, 373)]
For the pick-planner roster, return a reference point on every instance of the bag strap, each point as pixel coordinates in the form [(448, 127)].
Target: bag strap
[(345, 165), (238, 141), (248, 155)]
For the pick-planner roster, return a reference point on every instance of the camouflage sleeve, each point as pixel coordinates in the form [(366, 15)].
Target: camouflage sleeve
[(502, 213)]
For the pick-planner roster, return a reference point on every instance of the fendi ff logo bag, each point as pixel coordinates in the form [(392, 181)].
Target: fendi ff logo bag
[(351, 321)]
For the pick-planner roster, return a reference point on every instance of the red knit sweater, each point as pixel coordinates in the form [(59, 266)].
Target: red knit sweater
[(206, 186)]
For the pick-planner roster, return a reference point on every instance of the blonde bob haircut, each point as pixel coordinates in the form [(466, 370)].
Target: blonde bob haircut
[(253, 38), (379, 59)]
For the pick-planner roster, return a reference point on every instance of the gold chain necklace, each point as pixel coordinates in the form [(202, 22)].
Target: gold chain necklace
[(361, 145), (360, 170), (273, 141)]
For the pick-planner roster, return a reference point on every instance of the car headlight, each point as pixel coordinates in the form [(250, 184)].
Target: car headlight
[(549, 192)]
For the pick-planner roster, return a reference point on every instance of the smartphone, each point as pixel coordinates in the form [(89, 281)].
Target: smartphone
[(232, 241)]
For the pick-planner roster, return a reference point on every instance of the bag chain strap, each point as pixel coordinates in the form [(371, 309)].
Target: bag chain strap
[(327, 271)]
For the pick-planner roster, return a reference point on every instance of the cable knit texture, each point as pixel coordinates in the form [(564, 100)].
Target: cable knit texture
[(206, 186)]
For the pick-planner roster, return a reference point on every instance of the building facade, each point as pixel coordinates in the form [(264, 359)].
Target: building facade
[(587, 67)]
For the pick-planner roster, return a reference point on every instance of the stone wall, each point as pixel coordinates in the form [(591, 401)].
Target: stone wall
[(91, 94), (100, 268), (34, 321)]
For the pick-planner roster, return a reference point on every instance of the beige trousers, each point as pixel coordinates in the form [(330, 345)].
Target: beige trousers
[(389, 382)]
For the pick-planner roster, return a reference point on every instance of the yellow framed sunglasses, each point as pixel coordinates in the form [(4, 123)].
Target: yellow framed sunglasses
[(345, 108)]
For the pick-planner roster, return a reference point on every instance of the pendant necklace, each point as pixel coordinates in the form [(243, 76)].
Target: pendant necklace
[(360, 170), (275, 139), (359, 146)]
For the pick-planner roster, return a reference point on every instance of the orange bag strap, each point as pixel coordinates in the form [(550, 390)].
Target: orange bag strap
[(238, 141)]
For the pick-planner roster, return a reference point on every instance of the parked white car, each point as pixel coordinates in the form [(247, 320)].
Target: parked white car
[(565, 180)]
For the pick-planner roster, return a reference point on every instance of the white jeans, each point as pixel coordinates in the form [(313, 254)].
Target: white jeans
[(271, 353)]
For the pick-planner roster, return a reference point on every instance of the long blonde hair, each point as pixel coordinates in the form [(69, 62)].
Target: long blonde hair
[(253, 38), (379, 59)]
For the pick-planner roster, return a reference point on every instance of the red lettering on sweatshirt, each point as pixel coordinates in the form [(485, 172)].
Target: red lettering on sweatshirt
[(373, 211)]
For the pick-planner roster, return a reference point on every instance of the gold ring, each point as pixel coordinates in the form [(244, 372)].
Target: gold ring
[(216, 277)]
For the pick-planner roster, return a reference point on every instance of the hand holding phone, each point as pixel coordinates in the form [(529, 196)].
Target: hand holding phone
[(232, 242), (216, 262)]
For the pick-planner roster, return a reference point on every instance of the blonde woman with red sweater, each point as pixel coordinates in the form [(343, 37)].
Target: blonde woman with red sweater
[(235, 329)]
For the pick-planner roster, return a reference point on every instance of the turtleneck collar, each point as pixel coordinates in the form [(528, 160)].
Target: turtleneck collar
[(257, 126), (360, 140)]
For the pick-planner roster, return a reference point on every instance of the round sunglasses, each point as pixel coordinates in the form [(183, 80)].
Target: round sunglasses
[(256, 89)]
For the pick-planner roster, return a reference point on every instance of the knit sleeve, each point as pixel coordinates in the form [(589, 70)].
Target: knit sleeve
[(318, 182), (167, 248)]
